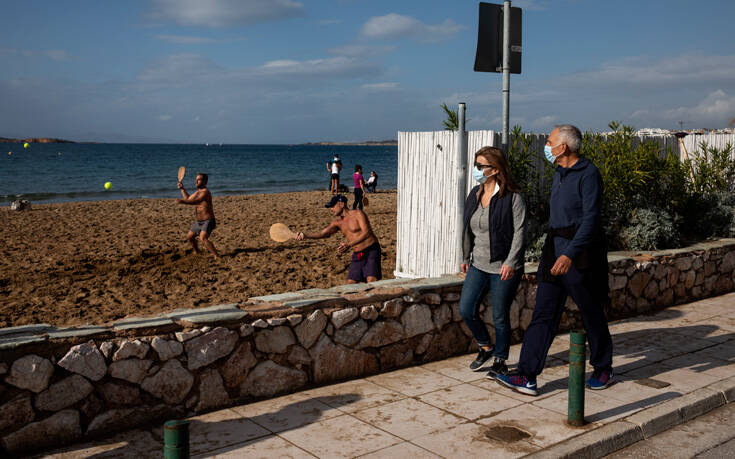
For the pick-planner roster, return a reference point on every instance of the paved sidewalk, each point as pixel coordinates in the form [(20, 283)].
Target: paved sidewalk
[(443, 409)]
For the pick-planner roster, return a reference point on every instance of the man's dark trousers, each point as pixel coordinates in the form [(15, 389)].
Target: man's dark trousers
[(550, 300)]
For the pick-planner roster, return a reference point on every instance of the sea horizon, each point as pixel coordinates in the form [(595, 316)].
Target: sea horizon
[(62, 172)]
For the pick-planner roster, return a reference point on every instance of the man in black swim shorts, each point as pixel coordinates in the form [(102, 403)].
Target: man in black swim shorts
[(205, 222), (354, 224)]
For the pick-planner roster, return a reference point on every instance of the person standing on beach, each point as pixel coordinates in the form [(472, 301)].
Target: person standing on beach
[(354, 224), (359, 186), (573, 262), (205, 222), (334, 167)]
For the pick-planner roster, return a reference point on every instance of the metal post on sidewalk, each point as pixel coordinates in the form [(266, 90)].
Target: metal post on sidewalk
[(176, 439), (577, 354), (461, 179)]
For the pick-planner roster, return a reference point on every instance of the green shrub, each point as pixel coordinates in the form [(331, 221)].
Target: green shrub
[(714, 169), (650, 229)]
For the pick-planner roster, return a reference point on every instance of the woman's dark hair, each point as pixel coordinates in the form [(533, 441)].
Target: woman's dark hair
[(496, 159), (358, 168)]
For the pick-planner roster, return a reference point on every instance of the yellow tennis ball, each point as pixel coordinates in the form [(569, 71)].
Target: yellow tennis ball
[(25, 145), (108, 185)]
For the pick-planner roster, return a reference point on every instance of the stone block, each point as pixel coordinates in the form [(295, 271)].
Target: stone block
[(16, 413), (351, 334), (274, 341), (85, 359), (382, 333), (137, 349), (342, 317), (166, 349), (392, 308), (63, 427), (131, 370), (432, 298), (333, 362), (238, 364), (64, 393), (30, 372), (268, 379), (309, 330), (416, 320), (209, 347), (171, 384), (116, 393), (212, 393), (442, 316), (638, 282), (369, 312)]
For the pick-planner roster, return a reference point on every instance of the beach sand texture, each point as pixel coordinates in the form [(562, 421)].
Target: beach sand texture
[(93, 262)]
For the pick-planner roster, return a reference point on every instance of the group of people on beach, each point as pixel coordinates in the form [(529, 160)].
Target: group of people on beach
[(573, 261), (365, 265)]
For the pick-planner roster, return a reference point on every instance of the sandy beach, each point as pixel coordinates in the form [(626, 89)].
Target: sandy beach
[(93, 262)]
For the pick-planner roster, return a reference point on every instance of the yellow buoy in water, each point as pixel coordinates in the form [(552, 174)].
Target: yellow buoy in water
[(108, 185)]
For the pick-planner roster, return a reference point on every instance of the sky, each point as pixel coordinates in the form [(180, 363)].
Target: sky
[(288, 71)]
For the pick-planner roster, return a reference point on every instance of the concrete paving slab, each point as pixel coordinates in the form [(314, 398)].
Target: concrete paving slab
[(287, 412), (404, 450), (352, 396), (219, 429), (343, 436), (409, 418), (546, 427), (469, 402), (711, 366), (546, 388), (681, 380), (727, 387), (458, 368), (472, 440), (413, 381), (136, 443), (268, 447)]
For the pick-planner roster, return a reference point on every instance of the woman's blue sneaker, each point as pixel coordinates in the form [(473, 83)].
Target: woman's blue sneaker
[(518, 383), (600, 379)]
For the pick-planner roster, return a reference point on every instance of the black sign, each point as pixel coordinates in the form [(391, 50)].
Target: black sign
[(489, 57)]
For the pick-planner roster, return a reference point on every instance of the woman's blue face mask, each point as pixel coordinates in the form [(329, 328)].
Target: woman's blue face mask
[(478, 175)]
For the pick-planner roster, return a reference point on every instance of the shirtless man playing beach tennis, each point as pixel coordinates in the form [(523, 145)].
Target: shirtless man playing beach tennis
[(205, 222), (354, 224)]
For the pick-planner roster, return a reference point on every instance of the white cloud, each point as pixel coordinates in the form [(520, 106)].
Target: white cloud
[(179, 67), (335, 66), (544, 122), (185, 39), (330, 21), (361, 50), (717, 108), (395, 26), (164, 117), (532, 5), (644, 71), (56, 54), (378, 87), (226, 13)]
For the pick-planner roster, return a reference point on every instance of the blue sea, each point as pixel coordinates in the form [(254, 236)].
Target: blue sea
[(58, 172)]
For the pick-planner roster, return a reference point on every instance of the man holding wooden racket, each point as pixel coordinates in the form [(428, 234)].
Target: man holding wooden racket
[(205, 222), (354, 224)]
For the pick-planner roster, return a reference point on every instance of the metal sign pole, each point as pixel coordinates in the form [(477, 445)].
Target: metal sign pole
[(461, 180), (506, 74)]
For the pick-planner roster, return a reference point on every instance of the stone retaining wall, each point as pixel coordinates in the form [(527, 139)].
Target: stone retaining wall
[(60, 385)]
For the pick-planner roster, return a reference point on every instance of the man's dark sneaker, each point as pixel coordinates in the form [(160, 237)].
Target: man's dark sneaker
[(600, 379), (518, 383), (482, 358), (499, 368)]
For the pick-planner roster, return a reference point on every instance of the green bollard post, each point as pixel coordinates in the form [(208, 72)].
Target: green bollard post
[(176, 439), (577, 354)]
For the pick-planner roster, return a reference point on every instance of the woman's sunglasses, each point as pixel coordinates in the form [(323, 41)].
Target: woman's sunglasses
[(482, 167)]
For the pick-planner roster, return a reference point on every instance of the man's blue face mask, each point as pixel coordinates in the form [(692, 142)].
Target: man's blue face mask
[(549, 155)]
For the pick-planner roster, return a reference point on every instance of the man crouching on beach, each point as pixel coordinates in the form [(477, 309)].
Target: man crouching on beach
[(205, 222), (355, 226)]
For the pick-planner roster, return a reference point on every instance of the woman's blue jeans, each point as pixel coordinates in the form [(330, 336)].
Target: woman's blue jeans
[(502, 294)]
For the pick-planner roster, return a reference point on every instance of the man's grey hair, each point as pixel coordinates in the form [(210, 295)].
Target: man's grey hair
[(571, 136)]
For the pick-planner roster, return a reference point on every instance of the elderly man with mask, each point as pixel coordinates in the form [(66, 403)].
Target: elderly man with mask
[(573, 262)]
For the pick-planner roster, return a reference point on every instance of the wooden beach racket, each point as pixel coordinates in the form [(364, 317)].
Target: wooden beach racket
[(365, 201), (280, 232), (182, 173)]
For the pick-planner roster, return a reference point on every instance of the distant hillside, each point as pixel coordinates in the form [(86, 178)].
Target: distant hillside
[(34, 140), (367, 142)]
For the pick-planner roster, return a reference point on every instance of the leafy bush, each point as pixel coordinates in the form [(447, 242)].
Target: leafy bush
[(650, 201), (650, 229)]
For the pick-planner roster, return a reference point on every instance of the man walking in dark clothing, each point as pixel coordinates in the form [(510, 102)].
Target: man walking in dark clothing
[(573, 262)]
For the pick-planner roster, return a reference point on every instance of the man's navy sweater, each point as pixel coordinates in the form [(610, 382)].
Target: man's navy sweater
[(576, 200)]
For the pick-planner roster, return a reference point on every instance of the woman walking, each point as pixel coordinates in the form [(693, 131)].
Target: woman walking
[(493, 255)]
